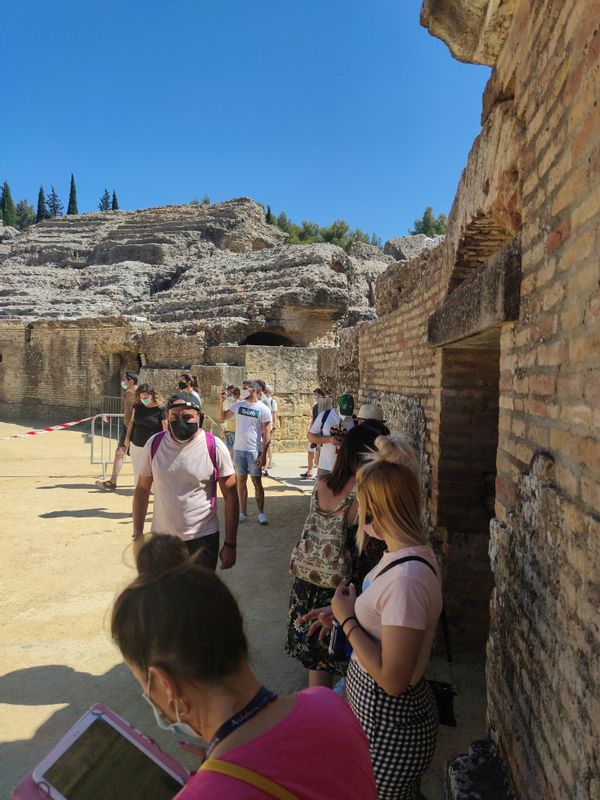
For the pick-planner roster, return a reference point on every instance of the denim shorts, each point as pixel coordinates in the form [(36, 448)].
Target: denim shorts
[(245, 462)]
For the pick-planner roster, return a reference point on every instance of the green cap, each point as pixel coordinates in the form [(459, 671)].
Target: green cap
[(346, 405)]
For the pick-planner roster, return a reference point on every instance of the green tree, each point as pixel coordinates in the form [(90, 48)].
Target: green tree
[(104, 203), (429, 224), (42, 212), (7, 204), (114, 206), (310, 232), (338, 233), (72, 206), (25, 215), (206, 200), (53, 205), (284, 223)]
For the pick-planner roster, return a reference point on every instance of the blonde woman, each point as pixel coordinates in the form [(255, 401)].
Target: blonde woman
[(392, 624), (149, 417)]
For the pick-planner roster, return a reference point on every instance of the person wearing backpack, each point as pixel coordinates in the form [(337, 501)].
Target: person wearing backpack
[(391, 625), (323, 556), (327, 431), (183, 466)]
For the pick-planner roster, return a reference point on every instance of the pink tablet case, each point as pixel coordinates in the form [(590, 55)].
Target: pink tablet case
[(28, 790)]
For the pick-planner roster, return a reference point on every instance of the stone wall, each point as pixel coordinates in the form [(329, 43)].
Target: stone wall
[(544, 645), (57, 368), (486, 354), (292, 371), (53, 368)]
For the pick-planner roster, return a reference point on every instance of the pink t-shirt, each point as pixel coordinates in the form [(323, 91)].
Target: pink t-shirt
[(408, 596), (183, 478), (317, 751)]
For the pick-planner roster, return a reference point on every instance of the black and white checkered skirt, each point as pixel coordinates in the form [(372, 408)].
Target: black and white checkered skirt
[(401, 730)]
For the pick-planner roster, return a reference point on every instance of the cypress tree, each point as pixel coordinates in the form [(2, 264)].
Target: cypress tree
[(53, 205), (104, 203), (9, 210), (72, 207), (115, 203), (41, 206), (269, 218)]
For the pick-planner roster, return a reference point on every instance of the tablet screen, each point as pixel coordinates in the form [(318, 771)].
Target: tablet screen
[(103, 763)]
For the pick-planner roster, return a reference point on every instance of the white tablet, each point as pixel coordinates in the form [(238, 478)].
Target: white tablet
[(99, 758)]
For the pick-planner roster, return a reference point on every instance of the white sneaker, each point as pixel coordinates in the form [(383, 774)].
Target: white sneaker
[(244, 517), (262, 519)]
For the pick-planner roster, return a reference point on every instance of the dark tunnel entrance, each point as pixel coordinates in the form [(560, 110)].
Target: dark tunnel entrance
[(268, 339)]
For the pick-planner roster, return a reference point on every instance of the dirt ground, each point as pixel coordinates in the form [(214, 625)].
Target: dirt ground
[(66, 552)]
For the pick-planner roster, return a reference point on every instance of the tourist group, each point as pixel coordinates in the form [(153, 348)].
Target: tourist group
[(363, 610)]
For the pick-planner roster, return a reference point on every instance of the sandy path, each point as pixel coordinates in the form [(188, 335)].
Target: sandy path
[(65, 553)]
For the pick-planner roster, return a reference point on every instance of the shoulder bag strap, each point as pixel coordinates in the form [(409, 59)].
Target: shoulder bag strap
[(443, 616), (266, 785), (210, 443), (325, 415)]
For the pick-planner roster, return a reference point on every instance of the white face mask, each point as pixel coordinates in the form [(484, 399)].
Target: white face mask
[(245, 394), (124, 385), (315, 399), (178, 728)]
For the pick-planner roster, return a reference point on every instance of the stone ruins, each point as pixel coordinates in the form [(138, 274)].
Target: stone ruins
[(483, 348)]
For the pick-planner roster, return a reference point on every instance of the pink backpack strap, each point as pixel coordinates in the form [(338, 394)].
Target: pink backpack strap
[(155, 443), (212, 452)]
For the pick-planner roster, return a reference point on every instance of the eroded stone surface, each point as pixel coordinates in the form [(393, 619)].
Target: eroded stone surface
[(474, 30), (221, 269)]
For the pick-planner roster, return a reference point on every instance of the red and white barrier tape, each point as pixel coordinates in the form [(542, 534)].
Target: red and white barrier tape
[(46, 430)]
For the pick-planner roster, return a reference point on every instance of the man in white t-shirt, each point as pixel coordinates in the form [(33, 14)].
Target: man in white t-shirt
[(181, 470), (324, 428), (252, 437)]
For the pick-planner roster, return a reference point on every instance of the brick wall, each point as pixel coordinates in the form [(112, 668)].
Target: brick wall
[(545, 635), (514, 412)]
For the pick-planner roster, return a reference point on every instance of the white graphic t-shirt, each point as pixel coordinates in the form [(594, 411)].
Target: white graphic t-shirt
[(249, 421)]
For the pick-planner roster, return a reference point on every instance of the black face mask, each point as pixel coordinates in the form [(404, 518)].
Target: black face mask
[(183, 430), (182, 385)]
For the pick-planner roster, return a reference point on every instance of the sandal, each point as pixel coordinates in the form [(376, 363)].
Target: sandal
[(307, 475), (108, 486)]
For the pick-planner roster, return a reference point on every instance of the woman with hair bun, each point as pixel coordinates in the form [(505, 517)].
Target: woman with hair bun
[(392, 624), (181, 634)]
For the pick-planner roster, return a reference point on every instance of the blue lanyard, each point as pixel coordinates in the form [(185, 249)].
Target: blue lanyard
[(262, 698)]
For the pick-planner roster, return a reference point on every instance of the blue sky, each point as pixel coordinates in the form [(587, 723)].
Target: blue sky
[(322, 108)]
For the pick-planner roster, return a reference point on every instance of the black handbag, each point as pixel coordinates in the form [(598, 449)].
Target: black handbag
[(443, 692)]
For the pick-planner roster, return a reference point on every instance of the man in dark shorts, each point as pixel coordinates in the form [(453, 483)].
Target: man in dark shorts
[(182, 474)]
